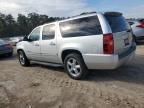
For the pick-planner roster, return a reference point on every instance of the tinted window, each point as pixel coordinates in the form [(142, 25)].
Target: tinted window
[(81, 27), (117, 23), (48, 32), (35, 35)]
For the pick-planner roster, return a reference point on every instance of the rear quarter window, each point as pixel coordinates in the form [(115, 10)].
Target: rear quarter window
[(117, 23), (81, 27)]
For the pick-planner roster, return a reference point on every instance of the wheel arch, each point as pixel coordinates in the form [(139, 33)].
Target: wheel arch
[(69, 51), (20, 50)]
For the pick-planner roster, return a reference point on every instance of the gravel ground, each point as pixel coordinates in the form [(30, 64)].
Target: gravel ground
[(41, 86)]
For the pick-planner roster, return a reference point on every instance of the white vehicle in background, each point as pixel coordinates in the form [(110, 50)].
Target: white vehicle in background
[(138, 29), (14, 40), (91, 41)]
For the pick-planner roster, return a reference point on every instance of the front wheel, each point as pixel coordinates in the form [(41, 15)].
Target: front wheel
[(75, 66), (23, 59)]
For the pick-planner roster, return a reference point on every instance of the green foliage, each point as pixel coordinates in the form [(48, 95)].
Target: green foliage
[(23, 25)]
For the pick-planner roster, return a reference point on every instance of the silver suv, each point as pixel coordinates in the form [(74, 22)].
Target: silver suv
[(92, 41)]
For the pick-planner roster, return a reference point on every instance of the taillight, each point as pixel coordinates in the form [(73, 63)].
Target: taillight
[(141, 25), (108, 44)]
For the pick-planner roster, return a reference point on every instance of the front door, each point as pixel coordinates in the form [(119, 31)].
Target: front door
[(32, 47)]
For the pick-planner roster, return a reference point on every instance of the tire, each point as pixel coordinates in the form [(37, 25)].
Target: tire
[(75, 66), (23, 59)]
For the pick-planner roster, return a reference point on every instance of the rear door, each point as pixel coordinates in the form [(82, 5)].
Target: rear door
[(48, 44), (121, 32)]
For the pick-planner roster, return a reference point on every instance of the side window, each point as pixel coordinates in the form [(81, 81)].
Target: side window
[(35, 35), (81, 27), (48, 32)]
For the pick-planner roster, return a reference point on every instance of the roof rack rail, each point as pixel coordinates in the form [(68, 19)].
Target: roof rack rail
[(84, 13), (113, 13)]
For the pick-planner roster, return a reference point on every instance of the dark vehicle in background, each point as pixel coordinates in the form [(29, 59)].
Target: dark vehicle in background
[(137, 28), (5, 48)]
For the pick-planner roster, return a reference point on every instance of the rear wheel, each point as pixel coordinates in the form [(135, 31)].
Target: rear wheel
[(75, 66), (23, 59)]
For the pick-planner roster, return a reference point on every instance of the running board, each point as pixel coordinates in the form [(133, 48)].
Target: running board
[(47, 64)]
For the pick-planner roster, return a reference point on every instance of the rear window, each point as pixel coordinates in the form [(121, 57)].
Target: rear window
[(81, 27), (117, 23)]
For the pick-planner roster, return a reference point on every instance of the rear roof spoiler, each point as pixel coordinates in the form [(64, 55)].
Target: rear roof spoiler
[(113, 14)]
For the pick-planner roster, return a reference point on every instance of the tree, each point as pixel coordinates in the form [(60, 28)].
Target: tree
[(33, 20), (9, 25), (43, 19), (2, 25), (23, 26)]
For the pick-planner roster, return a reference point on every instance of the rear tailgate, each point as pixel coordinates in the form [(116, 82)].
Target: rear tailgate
[(121, 32)]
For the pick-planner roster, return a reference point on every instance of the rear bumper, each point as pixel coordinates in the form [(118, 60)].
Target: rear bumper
[(101, 61)]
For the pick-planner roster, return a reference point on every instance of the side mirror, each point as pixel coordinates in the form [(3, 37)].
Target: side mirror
[(27, 39)]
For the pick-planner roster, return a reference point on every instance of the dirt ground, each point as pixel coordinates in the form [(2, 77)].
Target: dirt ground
[(41, 86)]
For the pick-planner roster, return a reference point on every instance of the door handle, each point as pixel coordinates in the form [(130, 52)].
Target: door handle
[(36, 44), (52, 44)]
